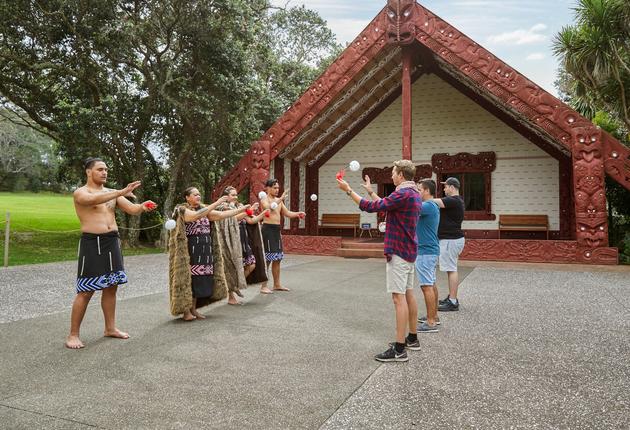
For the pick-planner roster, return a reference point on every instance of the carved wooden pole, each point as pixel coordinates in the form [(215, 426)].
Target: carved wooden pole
[(590, 190), (259, 168), (311, 207), (406, 102), (295, 193)]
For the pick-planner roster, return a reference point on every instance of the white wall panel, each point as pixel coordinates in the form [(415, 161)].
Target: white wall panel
[(444, 120)]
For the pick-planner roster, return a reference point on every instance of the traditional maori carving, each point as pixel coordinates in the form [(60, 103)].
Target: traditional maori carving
[(401, 29), (238, 177), (259, 170), (617, 160), (567, 207), (311, 245), (384, 175), (536, 251), (589, 187), (464, 162)]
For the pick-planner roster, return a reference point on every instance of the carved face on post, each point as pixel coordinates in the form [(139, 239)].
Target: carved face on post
[(260, 160), (400, 15), (592, 233)]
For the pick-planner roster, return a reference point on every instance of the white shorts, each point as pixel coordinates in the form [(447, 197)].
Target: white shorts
[(399, 275), (449, 253)]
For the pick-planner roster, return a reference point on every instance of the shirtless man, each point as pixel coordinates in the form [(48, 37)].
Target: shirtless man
[(272, 239), (100, 257)]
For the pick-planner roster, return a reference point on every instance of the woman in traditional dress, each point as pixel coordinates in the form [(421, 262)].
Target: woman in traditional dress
[(246, 254), (192, 266)]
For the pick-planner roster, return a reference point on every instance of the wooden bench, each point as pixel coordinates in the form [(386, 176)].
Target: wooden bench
[(524, 223), (340, 221)]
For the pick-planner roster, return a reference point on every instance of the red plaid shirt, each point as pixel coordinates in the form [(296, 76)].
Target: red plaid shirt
[(403, 210)]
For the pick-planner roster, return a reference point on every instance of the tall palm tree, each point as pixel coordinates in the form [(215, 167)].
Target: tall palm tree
[(596, 53)]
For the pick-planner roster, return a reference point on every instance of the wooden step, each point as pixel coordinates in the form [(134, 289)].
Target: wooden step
[(360, 253)]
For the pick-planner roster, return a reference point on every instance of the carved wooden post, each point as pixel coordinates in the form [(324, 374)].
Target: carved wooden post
[(259, 170), (406, 103), (295, 193), (311, 207), (590, 189)]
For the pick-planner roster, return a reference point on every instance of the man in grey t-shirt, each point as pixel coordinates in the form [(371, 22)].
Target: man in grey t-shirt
[(451, 238)]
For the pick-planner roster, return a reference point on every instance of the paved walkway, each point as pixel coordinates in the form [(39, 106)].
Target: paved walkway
[(529, 349)]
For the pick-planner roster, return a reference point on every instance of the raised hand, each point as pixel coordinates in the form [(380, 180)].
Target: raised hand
[(222, 199), (129, 189), (255, 206), (284, 194), (367, 185), (343, 185)]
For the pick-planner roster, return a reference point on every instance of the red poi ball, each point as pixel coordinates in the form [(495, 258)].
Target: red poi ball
[(267, 214), (249, 211), (301, 216)]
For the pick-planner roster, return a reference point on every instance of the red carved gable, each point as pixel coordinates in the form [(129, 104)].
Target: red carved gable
[(396, 23)]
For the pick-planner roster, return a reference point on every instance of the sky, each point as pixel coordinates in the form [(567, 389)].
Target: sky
[(518, 32)]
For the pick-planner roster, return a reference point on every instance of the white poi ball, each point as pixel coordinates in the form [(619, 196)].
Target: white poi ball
[(273, 206), (313, 197), (354, 165), (170, 224), (262, 195), (382, 227)]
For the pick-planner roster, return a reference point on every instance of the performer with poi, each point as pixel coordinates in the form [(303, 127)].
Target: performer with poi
[(237, 250), (271, 231), (196, 279), (100, 258), (400, 248)]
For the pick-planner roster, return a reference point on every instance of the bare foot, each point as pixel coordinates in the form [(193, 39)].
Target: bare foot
[(117, 334), (265, 290), (189, 317), (73, 342), (198, 315), (233, 301), (280, 288)]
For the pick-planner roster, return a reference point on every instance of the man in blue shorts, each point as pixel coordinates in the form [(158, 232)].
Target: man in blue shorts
[(428, 255)]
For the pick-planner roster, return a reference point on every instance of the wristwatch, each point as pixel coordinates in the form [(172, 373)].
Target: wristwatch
[(349, 192)]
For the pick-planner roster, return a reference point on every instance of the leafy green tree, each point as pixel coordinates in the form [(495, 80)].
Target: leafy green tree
[(595, 52)]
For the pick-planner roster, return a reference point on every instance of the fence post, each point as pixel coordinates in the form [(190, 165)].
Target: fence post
[(6, 239)]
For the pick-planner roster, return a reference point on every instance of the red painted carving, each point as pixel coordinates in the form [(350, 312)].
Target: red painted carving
[(589, 187), (617, 160), (537, 251), (311, 245), (311, 207), (567, 207), (238, 177), (259, 170), (464, 162), (401, 21), (384, 175)]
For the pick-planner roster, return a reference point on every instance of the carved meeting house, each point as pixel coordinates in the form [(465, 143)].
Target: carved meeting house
[(412, 86)]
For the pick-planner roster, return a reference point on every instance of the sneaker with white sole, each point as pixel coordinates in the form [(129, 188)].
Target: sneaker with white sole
[(391, 355)]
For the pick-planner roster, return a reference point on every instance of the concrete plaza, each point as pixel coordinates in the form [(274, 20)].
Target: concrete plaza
[(533, 346)]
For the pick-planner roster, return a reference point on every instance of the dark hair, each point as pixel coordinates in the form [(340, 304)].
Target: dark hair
[(188, 191), (271, 182), (428, 184), (89, 162), (228, 190)]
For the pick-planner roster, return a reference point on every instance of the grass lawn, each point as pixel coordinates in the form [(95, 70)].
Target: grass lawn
[(44, 228)]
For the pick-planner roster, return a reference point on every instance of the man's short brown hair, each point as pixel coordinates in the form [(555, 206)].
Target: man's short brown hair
[(405, 167)]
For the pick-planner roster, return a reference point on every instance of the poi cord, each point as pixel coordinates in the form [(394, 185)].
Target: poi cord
[(78, 229)]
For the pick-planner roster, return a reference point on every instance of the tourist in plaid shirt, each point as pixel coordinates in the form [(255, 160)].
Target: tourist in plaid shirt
[(401, 247)]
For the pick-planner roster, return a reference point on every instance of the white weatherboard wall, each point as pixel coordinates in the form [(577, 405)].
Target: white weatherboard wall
[(525, 180)]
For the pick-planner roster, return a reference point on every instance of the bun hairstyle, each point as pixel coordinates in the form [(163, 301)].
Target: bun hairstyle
[(271, 182), (89, 162), (188, 191), (228, 190)]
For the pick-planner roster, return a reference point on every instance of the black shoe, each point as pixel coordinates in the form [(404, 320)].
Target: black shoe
[(410, 345), (443, 301), (391, 355), (448, 307)]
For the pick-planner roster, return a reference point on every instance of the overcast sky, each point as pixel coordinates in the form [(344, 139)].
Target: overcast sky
[(518, 32)]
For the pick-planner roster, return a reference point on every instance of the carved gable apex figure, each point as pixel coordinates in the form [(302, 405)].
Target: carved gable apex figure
[(401, 16)]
